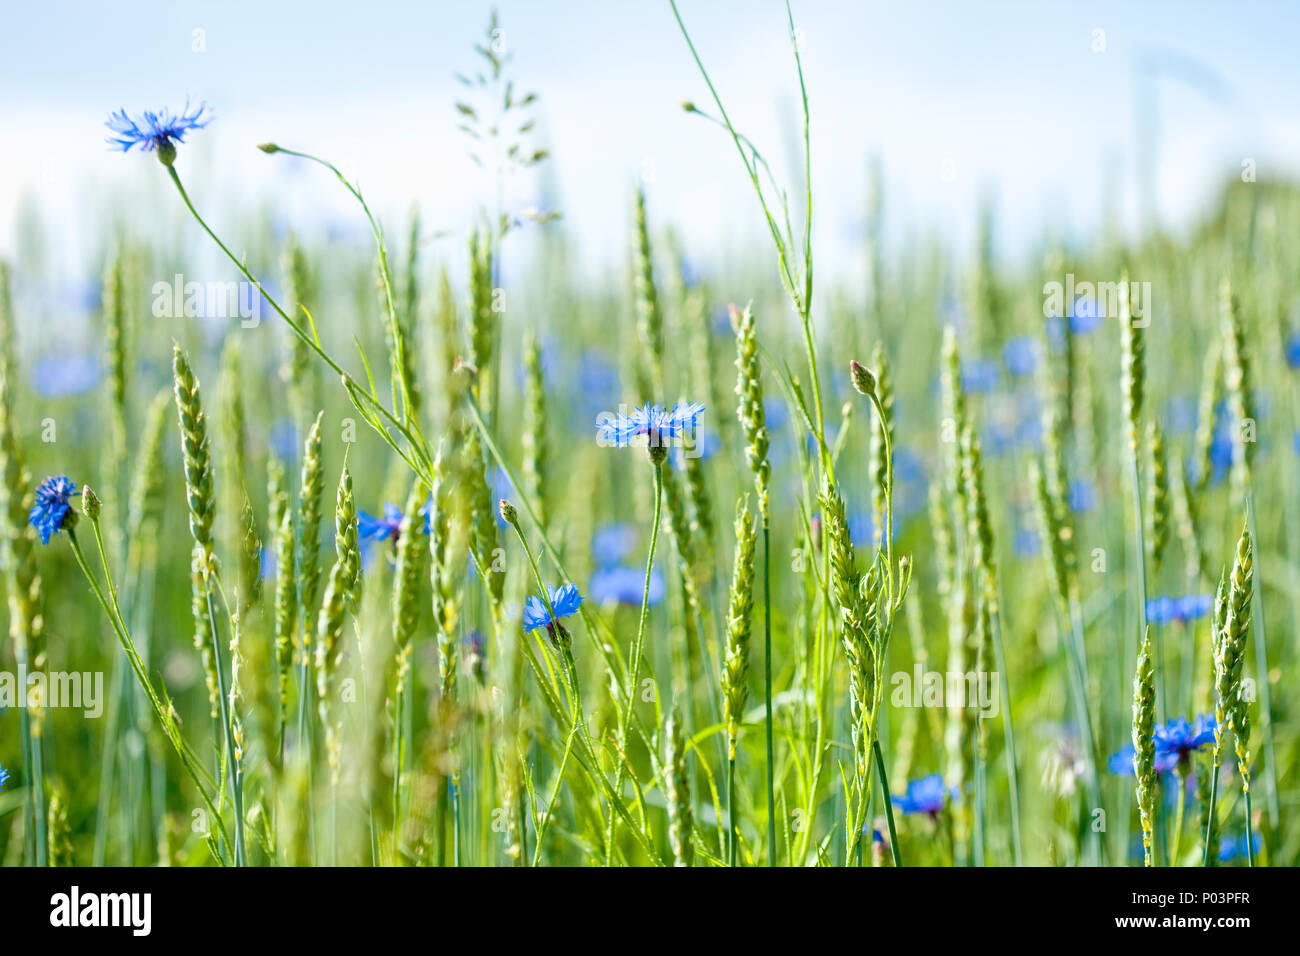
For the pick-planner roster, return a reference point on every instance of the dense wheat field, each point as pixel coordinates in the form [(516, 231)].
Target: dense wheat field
[(338, 552)]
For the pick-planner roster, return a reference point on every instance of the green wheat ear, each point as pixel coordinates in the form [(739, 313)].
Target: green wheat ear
[(534, 435), (310, 492), (1230, 655), (412, 554), (1158, 498), (854, 625), (196, 454), (482, 319), (1144, 743), (749, 407), (286, 588), (58, 832), (144, 507), (443, 589), (338, 600), (1133, 344), (678, 791), (1237, 380), (735, 674), (1211, 395), (649, 316)]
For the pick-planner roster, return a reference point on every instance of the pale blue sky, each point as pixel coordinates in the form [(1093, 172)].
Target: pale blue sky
[(954, 97)]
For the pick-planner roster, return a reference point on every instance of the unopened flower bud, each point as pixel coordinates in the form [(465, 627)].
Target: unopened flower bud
[(863, 380)]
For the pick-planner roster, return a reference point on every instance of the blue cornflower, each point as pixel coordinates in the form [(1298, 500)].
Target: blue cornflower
[(612, 542), (1293, 351), (926, 795), (266, 563), (1121, 762), (1175, 741), (50, 513), (1082, 495), (1020, 356), (656, 423), (1234, 848), (1160, 610), (155, 132), (370, 528), (624, 585), (4, 777), (1179, 738), (1190, 607), (565, 601)]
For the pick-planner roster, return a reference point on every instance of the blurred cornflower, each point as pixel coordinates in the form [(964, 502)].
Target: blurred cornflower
[(1084, 318), (155, 132), (706, 445), (656, 423), (371, 528), (1180, 415), (1234, 847), (1293, 351), (284, 440), (1020, 356), (926, 795), (612, 542), (1190, 607), (4, 777), (1082, 495), (775, 413), (266, 565), (1026, 542), (566, 601), (979, 376), (862, 530), (55, 376), (50, 513), (624, 585), (597, 379)]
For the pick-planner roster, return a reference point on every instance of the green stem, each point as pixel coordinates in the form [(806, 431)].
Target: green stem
[(635, 663), (1209, 816), (731, 811), (767, 690), (188, 761), (375, 408), (1250, 836), (1261, 675), (1178, 819), (236, 776)]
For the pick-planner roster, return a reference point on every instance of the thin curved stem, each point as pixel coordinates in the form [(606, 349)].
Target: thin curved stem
[(635, 663)]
